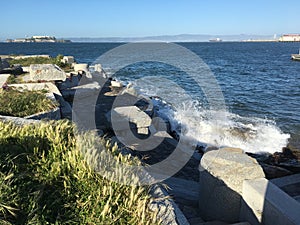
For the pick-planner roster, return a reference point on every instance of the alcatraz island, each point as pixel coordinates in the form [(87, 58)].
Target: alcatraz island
[(38, 39)]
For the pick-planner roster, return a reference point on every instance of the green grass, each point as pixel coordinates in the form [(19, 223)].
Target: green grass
[(24, 103), (41, 60), (46, 177), (12, 79)]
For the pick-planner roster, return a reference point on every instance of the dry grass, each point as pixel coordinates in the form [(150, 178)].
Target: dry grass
[(44, 179)]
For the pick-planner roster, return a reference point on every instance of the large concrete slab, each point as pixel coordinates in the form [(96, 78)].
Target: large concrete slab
[(46, 72)]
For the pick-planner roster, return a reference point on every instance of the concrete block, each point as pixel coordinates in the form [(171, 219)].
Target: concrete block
[(222, 173), (130, 114), (265, 203), (116, 84), (81, 67), (47, 72)]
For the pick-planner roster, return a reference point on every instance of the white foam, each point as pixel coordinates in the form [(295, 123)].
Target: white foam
[(253, 135), (218, 129)]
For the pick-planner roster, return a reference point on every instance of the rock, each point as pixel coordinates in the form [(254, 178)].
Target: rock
[(122, 116), (68, 59), (98, 68), (71, 81), (16, 70), (87, 89), (221, 183), (117, 84), (65, 107), (47, 72), (3, 64), (130, 90), (167, 211), (272, 172), (81, 67), (210, 148)]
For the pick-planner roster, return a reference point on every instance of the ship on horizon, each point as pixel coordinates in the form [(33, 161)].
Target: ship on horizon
[(215, 40)]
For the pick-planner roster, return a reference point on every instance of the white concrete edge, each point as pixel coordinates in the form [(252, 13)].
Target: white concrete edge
[(256, 192)]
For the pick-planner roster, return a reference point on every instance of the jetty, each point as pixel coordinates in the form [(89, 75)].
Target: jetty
[(213, 186)]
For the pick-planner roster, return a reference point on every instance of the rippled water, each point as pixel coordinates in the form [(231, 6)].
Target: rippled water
[(260, 83)]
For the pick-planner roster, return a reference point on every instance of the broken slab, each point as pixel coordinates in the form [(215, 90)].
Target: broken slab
[(46, 72), (122, 116)]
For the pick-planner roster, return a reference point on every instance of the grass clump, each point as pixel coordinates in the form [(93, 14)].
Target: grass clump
[(13, 79), (21, 103), (44, 179)]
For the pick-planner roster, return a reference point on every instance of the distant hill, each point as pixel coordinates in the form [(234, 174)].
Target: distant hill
[(175, 38)]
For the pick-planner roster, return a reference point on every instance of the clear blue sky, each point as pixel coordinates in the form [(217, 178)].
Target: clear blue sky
[(134, 18)]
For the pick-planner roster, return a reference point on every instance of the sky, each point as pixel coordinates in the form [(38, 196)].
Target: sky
[(139, 18)]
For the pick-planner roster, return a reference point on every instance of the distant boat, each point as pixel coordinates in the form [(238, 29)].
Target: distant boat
[(296, 56), (215, 40)]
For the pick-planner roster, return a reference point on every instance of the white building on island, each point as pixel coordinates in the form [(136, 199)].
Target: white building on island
[(290, 38)]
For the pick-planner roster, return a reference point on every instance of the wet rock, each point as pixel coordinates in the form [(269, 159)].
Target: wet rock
[(16, 70), (272, 172)]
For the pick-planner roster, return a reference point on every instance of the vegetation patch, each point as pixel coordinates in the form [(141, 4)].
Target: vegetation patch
[(44, 179), (42, 60), (21, 103), (13, 79)]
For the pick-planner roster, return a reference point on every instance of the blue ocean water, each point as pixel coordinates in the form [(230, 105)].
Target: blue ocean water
[(260, 84)]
